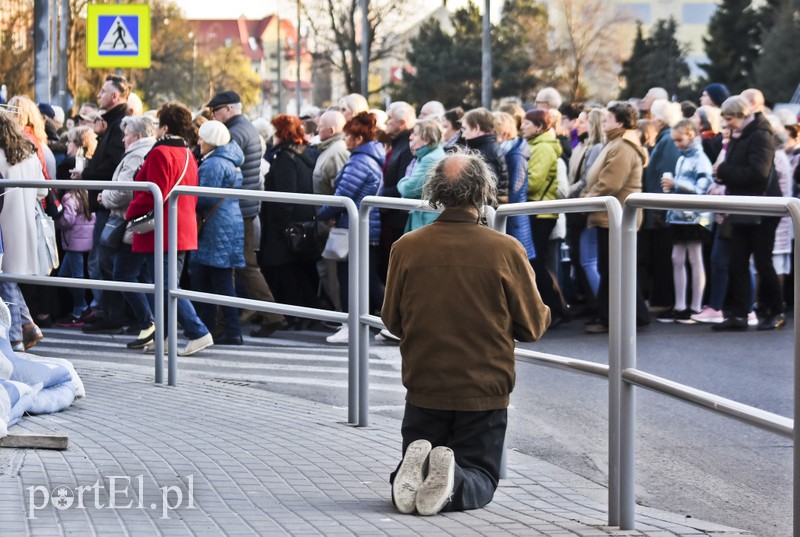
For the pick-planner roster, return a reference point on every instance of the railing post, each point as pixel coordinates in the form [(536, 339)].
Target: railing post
[(793, 206), (172, 282), (353, 314), (158, 282), (362, 334)]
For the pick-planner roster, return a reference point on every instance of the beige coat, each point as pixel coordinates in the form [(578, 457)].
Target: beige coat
[(457, 295), (616, 172), (18, 218)]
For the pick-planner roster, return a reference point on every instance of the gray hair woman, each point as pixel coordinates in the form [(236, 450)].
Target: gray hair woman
[(139, 137), (425, 143)]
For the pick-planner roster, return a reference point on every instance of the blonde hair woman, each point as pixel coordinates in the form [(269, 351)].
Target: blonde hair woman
[(30, 120)]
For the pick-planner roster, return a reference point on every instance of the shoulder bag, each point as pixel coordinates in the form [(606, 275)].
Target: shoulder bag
[(147, 222)]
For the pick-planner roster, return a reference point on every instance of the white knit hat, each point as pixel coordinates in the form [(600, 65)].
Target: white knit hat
[(214, 133)]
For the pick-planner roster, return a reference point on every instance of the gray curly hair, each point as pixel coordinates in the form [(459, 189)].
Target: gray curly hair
[(462, 179)]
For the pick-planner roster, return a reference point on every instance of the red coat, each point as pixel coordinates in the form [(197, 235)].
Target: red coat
[(163, 166)]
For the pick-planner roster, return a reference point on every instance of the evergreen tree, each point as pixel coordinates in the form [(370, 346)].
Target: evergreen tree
[(666, 63), (732, 45), (777, 71), (521, 59), (634, 69)]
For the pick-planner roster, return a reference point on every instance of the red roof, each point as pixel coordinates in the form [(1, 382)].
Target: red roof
[(215, 33)]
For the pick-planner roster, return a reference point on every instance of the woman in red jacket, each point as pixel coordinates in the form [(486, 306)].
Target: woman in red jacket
[(169, 163)]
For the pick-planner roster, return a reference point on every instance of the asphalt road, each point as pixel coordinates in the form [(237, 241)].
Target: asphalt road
[(689, 461)]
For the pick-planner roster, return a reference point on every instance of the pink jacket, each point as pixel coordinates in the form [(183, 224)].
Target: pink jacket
[(76, 231)]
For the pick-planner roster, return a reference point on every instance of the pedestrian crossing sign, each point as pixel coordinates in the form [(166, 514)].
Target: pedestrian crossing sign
[(118, 35)]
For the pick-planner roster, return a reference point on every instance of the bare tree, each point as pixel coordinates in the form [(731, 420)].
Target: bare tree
[(590, 34), (338, 33), (16, 40)]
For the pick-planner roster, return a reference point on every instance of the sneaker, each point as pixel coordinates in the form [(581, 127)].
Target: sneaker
[(708, 315), (752, 319), (69, 321), (342, 336), (685, 316), (385, 335), (410, 476), (150, 348), (666, 316), (145, 336), (731, 324), (31, 335), (437, 489), (229, 340), (17, 346), (772, 322), (197, 345), (103, 326)]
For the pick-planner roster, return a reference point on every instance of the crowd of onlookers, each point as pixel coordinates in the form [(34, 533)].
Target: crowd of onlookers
[(694, 267)]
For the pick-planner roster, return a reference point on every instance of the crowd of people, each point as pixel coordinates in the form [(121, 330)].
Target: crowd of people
[(722, 144)]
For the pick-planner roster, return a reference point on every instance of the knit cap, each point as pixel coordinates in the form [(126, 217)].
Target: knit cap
[(717, 93), (214, 133)]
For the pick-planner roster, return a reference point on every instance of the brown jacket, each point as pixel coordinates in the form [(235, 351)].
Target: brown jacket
[(457, 295), (616, 172)]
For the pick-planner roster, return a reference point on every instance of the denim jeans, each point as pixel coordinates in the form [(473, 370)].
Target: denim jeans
[(588, 258), (12, 295), (93, 263), (193, 327), (72, 267), (132, 267), (206, 279)]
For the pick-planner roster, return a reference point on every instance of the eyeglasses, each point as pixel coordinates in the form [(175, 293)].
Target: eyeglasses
[(218, 108)]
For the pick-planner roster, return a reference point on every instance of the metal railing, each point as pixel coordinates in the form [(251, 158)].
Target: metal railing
[(631, 377), (350, 318), (158, 273)]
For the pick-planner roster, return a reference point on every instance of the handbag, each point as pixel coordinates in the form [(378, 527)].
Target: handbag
[(146, 223), (201, 220), (111, 236), (301, 237), (337, 245), (47, 248)]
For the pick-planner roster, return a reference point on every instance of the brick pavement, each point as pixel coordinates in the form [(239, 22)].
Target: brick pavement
[(250, 462)]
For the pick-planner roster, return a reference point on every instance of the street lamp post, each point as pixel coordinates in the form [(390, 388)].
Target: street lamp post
[(298, 91), (486, 59)]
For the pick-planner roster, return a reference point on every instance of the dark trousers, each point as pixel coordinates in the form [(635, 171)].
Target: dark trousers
[(250, 278), (476, 439), (376, 288), (642, 317), (207, 279), (758, 240), (541, 229), (654, 259)]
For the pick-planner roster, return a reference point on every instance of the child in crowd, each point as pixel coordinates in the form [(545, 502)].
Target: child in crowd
[(77, 224), (693, 175)]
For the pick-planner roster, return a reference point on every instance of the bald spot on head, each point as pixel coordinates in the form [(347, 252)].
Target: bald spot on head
[(755, 98), (454, 167), (331, 123)]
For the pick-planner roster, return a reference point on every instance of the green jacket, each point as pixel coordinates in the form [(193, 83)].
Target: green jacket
[(543, 169)]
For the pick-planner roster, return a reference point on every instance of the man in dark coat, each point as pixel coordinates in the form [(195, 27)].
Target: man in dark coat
[(477, 128), (400, 122), (109, 306), (227, 108)]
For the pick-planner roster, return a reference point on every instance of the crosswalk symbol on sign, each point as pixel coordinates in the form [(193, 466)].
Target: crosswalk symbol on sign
[(120, 33)]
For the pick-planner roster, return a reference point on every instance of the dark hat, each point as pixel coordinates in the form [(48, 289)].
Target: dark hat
[(717, 93), (47, 110), (223, 98)]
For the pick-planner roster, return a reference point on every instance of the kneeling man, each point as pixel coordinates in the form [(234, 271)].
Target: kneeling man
[(457, 294)]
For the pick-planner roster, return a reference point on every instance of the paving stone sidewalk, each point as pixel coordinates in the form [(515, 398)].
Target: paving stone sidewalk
[(212, 458)]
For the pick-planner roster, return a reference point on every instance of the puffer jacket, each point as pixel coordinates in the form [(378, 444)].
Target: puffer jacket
[(492, 153), (246, 137), (359, 177), (693, 175), (117, 201), (543, 169), (76, 230), (411, 185), (221, 242), (517, 154)]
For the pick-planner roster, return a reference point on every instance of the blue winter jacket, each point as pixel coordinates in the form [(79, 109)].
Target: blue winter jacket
[(411, 185), (359, 177), (221, 242), (693, 175), (517, 154), (663, 158)]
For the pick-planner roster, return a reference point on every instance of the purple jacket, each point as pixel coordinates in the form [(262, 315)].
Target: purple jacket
[(76, 231)]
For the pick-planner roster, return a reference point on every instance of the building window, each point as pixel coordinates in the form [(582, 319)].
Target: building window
[(638, 11), (698, 13), (253, 43)]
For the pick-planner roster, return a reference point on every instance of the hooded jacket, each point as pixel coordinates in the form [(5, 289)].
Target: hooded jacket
[(543, 169), (663, 158), (616, 172), (411, 185), (693, 175), (333, 155), (359, 177), (117, 201)]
